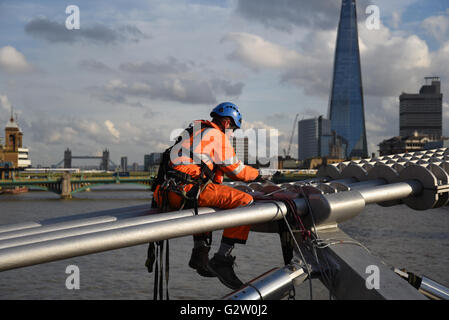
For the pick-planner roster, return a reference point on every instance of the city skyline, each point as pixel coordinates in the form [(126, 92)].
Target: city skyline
[(132, 74)]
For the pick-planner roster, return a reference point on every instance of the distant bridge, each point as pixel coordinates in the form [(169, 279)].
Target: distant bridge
[(66, 186), (104, 165)]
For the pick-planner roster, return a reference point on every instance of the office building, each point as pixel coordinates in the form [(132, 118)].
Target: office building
[(240, 146), (312, 137), (154, 159), (146, 162), (422, 112), (346, 108), (124, 164)]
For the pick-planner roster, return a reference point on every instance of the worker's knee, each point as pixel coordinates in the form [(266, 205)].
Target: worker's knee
[(246, 199)]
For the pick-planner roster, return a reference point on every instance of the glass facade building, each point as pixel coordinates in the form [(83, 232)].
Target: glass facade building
[(314, 138), (346, 108)]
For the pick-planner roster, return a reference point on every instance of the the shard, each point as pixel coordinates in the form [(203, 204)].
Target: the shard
[(346, 108)]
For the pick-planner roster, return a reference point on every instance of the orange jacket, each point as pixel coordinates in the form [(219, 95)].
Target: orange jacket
[(213, 147)]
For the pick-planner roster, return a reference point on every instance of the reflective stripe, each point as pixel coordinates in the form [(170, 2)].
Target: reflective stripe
[(231, 161), (239, 169), (187, 160), (180, 161)]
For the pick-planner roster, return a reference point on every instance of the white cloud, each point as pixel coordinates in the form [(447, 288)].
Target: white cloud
[(257, 53), (5, 105), (437, 27), (392, 64), (112, 130), (13, 61)]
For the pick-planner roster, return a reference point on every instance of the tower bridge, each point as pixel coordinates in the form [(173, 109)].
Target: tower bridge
[(68, 157)]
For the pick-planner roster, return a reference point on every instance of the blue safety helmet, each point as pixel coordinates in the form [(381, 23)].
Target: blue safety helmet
[(228, 109)]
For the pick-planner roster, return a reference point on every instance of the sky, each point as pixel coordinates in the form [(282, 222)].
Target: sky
[(136, 70)]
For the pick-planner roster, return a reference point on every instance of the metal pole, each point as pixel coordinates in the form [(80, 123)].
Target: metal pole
[(337, 207), (394, 191), (36, 227), (275, 284), (41, 252), (58, 226), (91, 228), (434, 290), (19, 226)]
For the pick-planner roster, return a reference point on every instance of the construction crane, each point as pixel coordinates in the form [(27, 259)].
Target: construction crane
[(287, 153)]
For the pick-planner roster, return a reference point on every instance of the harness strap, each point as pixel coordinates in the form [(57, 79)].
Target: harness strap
[(170, 179)]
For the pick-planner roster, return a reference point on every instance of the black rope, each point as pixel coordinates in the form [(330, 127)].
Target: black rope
[(167, 269), (159, 270), (156, 273)]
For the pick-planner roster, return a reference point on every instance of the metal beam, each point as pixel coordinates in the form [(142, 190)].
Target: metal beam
[(65, 222), (90, 225), (52, 250)]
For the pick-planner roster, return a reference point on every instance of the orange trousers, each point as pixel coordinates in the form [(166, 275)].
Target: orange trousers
[(217, 196)]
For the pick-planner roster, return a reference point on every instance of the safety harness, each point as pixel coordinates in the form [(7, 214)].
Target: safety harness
[(171, 180)]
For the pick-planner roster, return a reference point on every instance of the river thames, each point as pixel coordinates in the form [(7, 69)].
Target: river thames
[(399, 236)]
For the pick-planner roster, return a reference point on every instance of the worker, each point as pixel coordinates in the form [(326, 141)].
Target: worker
[(193, 178)]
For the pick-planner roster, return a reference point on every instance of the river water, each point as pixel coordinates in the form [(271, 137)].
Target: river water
[(401, 237)]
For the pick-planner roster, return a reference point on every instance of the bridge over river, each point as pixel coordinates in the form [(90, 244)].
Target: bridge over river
[(66, 185)]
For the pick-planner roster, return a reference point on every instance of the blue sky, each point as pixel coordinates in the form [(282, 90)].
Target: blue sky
[(136, 70)]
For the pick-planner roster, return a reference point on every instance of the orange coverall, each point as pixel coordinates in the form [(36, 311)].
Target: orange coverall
[(212, 146)]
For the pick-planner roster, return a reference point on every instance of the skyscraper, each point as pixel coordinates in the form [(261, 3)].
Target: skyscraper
[(124, 164), (240, 146), (422, 112), (346, 108), (313, 138)]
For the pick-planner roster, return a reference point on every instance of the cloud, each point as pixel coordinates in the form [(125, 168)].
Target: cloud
[(171, 66), (55, 32), (256, 53), (286, 14), (393, 63), (437, 27), (226, 88), (283, 14), (112, 130), (309, 70), (169, 80), (13, 61), (5, 105), (93, 65), (180, 90)]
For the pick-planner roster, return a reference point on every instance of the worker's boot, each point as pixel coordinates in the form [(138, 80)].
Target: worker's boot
[(222, 267), (199, 260)]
